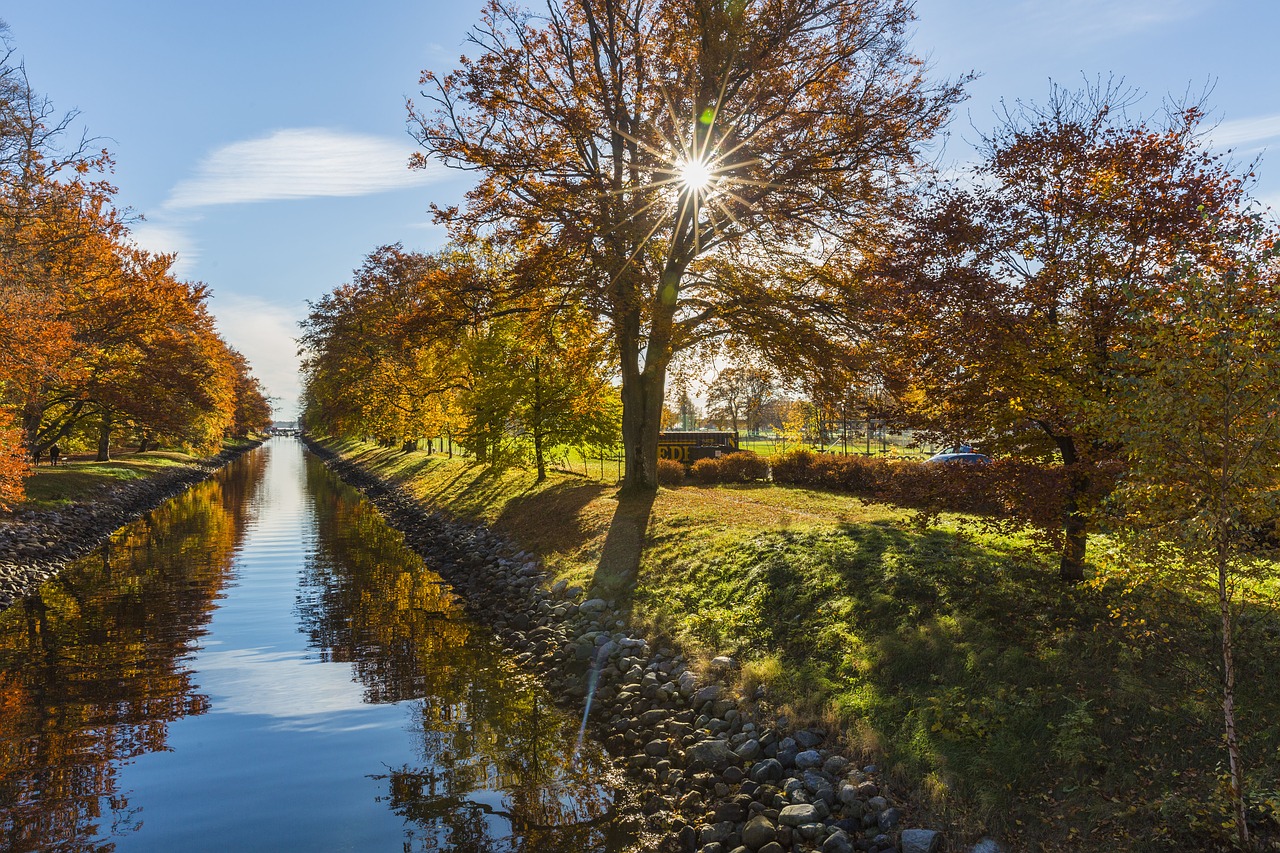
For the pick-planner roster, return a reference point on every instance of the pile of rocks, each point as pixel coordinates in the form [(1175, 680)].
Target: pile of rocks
[(713, 779), (37, 544)]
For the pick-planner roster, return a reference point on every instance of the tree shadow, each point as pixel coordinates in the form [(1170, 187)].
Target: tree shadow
[(528, 518), (619, 565)]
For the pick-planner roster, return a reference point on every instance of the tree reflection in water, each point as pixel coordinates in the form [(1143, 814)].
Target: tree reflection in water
[(92, 666), (498, 772)]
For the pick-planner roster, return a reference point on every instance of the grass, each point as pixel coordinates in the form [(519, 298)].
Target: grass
[(81, 477), (1065, 717)]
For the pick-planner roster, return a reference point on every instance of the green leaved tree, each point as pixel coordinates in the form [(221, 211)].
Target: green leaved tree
[(1198, 411)]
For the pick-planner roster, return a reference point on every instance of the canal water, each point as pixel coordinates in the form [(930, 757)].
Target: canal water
[(261, 665)]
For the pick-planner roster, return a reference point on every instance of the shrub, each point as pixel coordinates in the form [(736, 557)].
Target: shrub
[(741, 467), (670, 472), (1023, 493)]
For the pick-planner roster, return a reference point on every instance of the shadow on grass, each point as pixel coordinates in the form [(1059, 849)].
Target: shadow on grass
[(619, 565), (550, 520), (996, 691)]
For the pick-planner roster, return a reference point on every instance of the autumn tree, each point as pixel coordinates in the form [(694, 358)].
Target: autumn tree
[(252, 412), (14, 463), (701, 167), (415, 346), (1196, 399), (1004, 303)]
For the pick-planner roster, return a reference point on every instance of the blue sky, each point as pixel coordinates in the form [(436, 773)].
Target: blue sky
[(265, 141)]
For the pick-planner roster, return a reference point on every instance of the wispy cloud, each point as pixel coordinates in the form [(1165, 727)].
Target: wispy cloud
[(1246, 131), (1101, 20), (265, 333), (163, 238), (299, 163)]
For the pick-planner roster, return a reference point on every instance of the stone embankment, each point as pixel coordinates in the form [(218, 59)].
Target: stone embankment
[(37, 544), (714, 780)]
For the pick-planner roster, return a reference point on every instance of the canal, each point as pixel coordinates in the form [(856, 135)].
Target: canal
[(261, 665)]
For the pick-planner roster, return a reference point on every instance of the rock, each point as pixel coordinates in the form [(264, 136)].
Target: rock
[(919, 841), (709, 755), (750, 750), (710, 693), (715, 833), (798, 815), (808, 759), (657, 748), (593, 606), (769, 770), (758, 832), (838, 842), (723, 663), (988, 845), (807, 739), (772, 847), (888, 819)]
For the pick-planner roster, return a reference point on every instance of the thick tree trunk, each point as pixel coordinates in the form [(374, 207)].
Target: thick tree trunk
[(644, 388), (410, 445), (642, 395), (104, 439)]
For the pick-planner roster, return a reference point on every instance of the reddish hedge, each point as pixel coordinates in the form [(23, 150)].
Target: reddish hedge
[(741, 467), (670, 472), (1025, 493)]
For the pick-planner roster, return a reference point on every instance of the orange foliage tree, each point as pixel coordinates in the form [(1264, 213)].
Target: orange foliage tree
[(1004, 305), (97, 332)]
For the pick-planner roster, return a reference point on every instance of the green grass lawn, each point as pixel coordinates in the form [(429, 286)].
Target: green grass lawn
[(80, 477), (1068, 717)]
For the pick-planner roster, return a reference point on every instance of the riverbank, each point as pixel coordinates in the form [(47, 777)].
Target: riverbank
[(993, 699), (75, 508), (716, 774)]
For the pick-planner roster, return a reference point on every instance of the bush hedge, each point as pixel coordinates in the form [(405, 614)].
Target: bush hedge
[(741, 467), (670, 472), (1027, 493)]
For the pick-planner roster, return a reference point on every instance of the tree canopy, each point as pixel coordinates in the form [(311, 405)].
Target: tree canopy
[(704, 168)]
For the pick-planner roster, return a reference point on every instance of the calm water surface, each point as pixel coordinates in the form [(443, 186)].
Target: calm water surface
[(260, 665)]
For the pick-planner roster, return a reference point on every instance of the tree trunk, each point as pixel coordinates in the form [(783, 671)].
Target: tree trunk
[(1229, 701), (643, 389), (104, 439), (536, 419), (1075, 521), (410, 445)]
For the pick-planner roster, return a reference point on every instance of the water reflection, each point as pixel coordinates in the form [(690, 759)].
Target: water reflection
[(496, 769), (135, 717), (93, 667)]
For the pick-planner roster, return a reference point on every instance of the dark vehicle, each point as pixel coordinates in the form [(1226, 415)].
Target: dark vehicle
[(967, 457), (689, 447)]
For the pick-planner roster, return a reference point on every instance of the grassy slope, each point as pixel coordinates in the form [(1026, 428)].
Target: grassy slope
[(80, 477), (1073, 717)]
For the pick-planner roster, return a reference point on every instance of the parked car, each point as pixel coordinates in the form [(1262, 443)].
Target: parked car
[(967, 457)]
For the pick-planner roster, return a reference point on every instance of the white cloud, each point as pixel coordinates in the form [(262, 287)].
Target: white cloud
[(1100, 20), (161, 238), (264, 333), (269, 683), (1246, 131), (299, 163)]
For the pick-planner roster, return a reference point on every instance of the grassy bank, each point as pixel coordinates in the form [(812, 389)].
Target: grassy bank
[(79, 477), (1059, 717)]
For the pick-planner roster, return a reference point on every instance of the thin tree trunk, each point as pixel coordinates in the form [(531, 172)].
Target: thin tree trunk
[(1229, 701), (538, 457), (1075, 522)]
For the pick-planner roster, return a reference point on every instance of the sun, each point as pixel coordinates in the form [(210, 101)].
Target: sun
[(695, 174)]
